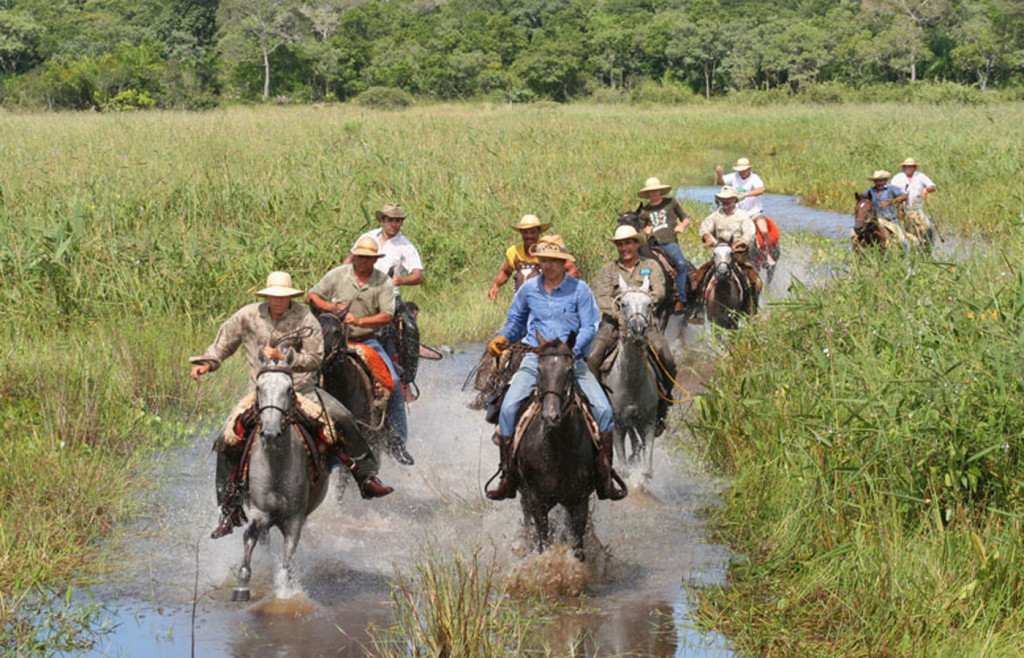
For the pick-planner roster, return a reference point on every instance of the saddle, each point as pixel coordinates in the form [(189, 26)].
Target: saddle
[(308, 414), (374, 365), (531, 408)]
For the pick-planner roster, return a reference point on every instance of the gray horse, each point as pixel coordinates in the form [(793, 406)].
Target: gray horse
[(632, 389), (285, 484), (726, 296)]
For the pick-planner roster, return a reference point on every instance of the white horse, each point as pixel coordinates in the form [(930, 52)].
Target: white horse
[(633, 392)]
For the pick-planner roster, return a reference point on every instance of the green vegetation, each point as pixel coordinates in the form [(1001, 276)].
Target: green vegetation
[(125, 239), (874, 438), (82, 54)]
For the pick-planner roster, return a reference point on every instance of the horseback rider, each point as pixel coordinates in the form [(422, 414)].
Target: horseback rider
[(553, 305), (664, 218), (400, 260), (253, 327), (365, 298), (518, 259), (886, 199), (734, 227), (917, 186), (750, 189), (633, 269)]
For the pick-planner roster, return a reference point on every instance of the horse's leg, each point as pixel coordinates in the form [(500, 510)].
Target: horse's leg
[(648, 456), (252, 534), (292, 531), (580, 517), (539, 512), (619, 443)]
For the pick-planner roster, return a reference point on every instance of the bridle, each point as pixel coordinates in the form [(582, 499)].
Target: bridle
[(566, 396)]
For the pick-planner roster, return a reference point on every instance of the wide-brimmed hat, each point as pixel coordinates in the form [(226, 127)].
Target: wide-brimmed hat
[(741, 165), (530, 221), (880, 174), (366, 246), (651, 185), (551, 246), (909, 162), (393, 210), (727, 192), (279, 284), (627, 232)]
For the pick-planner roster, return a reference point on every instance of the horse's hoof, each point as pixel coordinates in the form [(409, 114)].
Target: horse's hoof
[(240, 594)]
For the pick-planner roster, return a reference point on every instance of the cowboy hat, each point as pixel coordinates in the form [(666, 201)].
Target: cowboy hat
[(627, 232), (909, 162), (727, 192), (880, 174), (366, 246), (530, 221), (393, 210), (551, 246), (741, 165), (651, 185), (279, 284)]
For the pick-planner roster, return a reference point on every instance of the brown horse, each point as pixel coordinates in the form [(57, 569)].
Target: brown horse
[(867, 231)]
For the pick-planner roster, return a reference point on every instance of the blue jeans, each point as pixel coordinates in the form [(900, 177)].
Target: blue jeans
[(526, 377), (675, 254), (396, 404)]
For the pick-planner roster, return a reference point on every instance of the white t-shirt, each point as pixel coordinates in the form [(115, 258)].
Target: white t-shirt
[(752, 204), (399, 253), (913, 186)]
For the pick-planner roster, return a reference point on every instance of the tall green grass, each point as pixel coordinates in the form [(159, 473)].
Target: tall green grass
[(873, 429)]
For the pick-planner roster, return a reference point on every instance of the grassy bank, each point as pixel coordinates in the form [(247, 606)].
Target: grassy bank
[(874, 434), (126, 239)]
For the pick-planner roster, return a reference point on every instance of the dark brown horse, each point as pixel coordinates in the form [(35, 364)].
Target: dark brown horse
[(554, 460), (867, 231)]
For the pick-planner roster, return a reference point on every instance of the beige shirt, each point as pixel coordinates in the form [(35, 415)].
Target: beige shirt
[(606, 284), (252, 328), (339, 286), (737, 227)]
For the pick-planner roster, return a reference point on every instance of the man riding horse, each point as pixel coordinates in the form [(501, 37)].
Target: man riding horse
[(917, 186), (519, 264), (400, 260), (750, 188), (663, 218), (633, 270), (365, 299), (553, 306), (734, 227), (254, 327)]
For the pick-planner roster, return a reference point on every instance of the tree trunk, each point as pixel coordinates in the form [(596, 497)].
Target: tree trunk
[(266, 73), (707, 84), (913, 68)]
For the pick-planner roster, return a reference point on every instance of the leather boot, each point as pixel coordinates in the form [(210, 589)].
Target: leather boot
[(229, 490), (506, 487), (369, 485), (609, 486)]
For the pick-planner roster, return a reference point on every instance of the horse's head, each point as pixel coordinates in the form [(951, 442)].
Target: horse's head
[(634, 311), (863, 213), (333, 329), (554, 378), (629, 218), (275, 395), (722, 257)]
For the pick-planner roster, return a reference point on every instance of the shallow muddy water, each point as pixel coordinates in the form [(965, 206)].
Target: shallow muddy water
[(653, 545)]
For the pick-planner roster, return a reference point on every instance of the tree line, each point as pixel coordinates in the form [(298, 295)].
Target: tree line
[(128, 54)]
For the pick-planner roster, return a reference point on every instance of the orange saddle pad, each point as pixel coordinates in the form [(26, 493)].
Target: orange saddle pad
[(380, 371)]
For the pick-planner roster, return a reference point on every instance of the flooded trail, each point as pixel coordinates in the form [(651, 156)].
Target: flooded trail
[(653, 546)]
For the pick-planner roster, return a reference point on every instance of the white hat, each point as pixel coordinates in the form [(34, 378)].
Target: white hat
[(727, 192), (279, 284), (627, 232), (366, 246), (880, 174), (741, 165), (909, 162), (527, 222), (651, 185)]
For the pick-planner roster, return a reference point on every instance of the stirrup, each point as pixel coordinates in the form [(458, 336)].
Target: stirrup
[(229, 520), (506, 489)]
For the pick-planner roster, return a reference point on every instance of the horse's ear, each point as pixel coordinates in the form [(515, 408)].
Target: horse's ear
[(623, 286), (289, 358), (571, 340), (646, 285), (639, 207), (262, 356), (540, 338), (857, 196)]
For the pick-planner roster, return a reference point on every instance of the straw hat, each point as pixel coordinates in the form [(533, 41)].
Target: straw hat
[(727, 192), (530, 221), (279, 284), (880, 174), (366, 246), (909, 162), (393, 210), (551, 246), (627, 232), (741, 165), (651, 185)]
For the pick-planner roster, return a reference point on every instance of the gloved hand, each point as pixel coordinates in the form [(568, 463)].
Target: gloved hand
[(497, 345)]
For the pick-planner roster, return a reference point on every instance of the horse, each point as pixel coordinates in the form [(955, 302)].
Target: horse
[(286, 478), (726, 294), (632, 389), (867, 231), (554, 460)]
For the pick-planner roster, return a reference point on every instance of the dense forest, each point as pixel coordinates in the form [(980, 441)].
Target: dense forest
[(129, 54)]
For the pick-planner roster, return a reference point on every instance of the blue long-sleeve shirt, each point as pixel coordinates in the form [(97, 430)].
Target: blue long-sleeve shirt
[(887, 193), (569, 307)]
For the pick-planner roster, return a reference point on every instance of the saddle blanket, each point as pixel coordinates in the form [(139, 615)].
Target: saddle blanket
[(375, 363), (232, 431)]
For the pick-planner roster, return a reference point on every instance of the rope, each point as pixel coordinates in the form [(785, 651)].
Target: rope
[(661, 366)]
